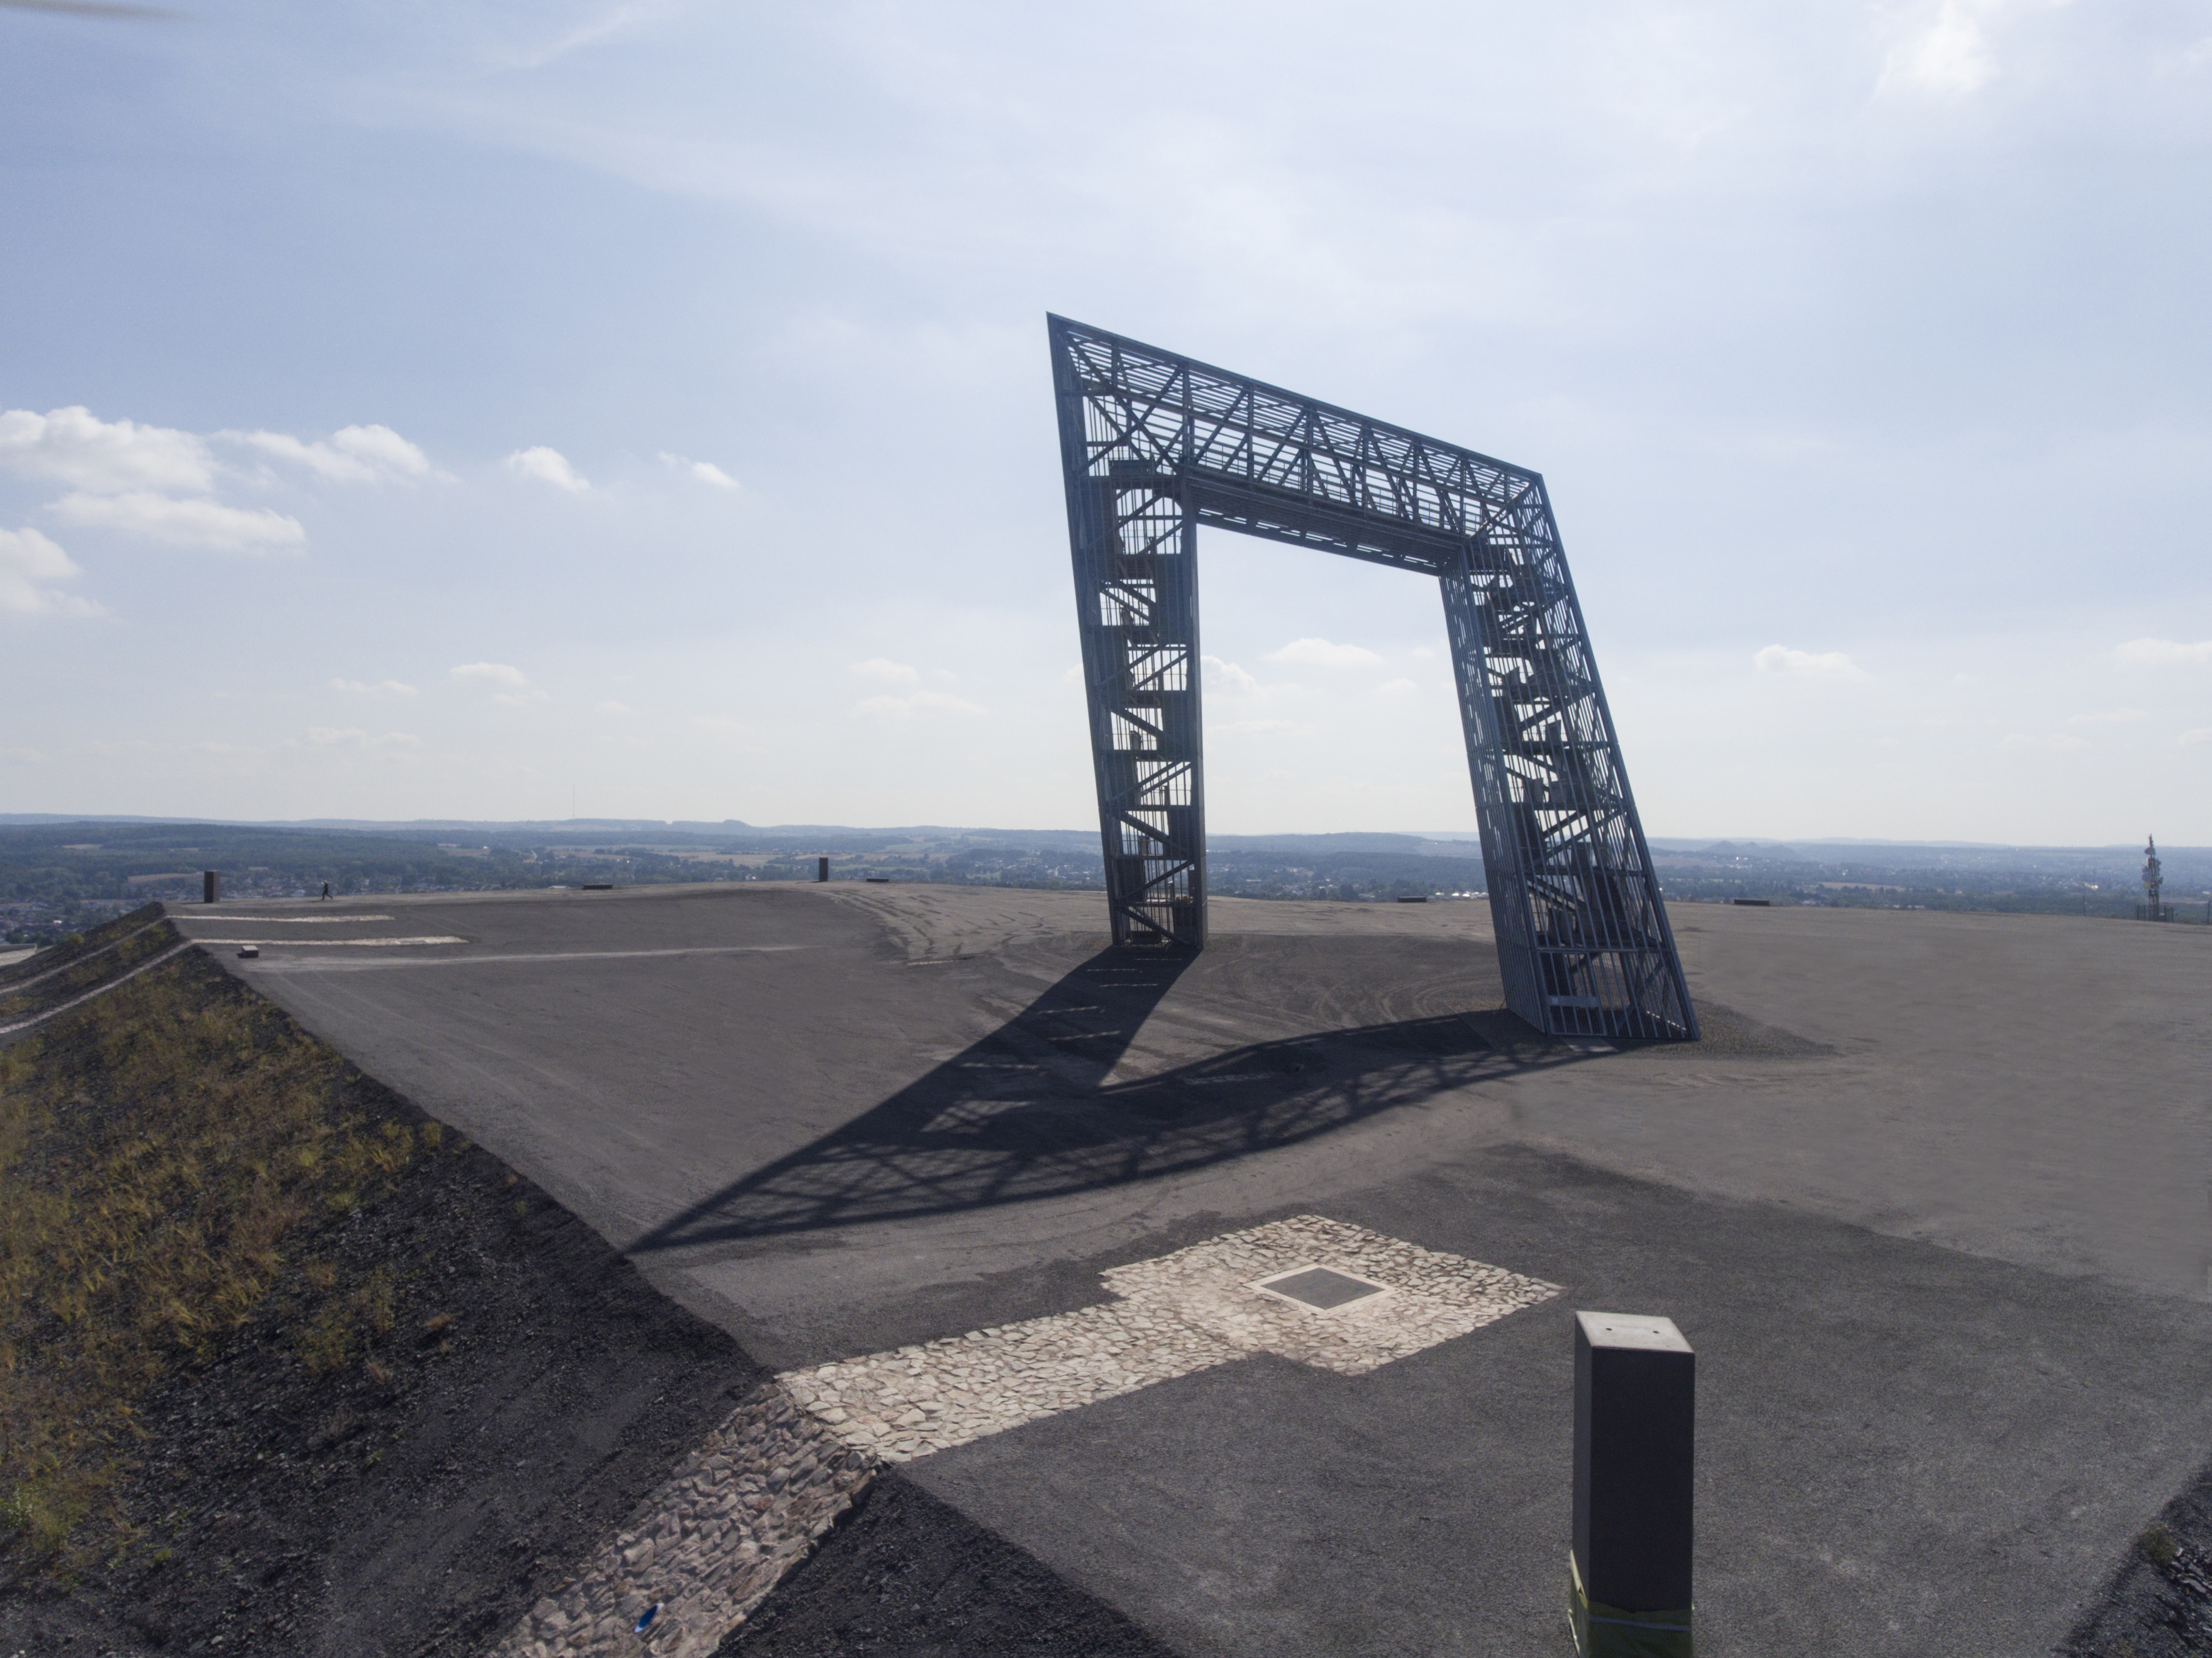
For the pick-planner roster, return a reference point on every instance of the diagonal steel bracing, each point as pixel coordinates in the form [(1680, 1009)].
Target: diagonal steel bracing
[(1153, 445)]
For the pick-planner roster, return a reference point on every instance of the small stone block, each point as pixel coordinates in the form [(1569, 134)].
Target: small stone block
[(1635, 1440)]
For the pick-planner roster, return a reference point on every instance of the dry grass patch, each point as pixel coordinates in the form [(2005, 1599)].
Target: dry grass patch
[(115, 948), (168, 1155)]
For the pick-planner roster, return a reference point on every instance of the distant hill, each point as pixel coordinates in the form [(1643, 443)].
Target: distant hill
[(1453, 842), (1773, 849)]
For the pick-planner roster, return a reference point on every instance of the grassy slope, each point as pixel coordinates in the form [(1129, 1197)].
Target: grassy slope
[(163, 1159), (282, 1361)]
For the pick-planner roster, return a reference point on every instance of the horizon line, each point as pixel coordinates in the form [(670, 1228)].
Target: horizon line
[(1434, 837)]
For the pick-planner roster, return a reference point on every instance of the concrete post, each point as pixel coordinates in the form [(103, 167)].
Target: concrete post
[(210, 886), (1635, 1422), (822, 869)]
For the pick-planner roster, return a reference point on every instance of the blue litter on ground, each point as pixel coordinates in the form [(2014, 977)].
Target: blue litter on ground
[(646, 1622)]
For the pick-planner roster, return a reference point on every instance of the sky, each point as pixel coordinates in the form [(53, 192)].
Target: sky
[(479, 411)]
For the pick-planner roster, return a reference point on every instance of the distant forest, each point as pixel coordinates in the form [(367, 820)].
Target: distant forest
[(2035, 880), (58, 877)]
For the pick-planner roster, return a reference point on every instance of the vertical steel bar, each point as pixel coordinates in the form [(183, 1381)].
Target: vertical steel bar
[(1505, 859), (1584, 942), (1134, 549)]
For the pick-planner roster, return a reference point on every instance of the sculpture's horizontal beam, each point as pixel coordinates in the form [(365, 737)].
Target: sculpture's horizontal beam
[(1147, 411)]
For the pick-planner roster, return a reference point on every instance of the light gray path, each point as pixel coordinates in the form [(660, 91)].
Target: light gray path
[(1932, 1203)]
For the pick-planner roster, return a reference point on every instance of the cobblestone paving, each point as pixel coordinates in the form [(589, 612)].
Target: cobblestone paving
[(708, 1545), (747, 1506), (1179, 1313)]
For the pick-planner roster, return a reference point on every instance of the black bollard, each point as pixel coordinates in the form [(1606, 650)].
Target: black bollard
[(210, 886), (1635, 1434)]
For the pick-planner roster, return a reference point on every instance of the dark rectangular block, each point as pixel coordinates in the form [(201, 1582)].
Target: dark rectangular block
[(1318, 1286), (1635, 1433), (821, 869), (210, 886)]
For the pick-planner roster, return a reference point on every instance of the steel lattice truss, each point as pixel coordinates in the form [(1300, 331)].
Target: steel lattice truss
[(1153, 445)]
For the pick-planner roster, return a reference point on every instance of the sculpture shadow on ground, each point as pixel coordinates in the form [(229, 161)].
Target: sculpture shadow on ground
[(1032, 1111)]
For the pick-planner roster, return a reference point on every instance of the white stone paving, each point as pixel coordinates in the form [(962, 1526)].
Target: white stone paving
[(335, 918), (707, 1547), (1186, 1312), (334, 944)]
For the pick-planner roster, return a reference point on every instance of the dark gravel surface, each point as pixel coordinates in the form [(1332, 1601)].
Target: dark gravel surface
[(1925, 1435), (2159, 1604), (906, 1573)]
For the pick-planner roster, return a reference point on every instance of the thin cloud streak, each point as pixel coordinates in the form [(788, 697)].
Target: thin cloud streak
[(182, 522)]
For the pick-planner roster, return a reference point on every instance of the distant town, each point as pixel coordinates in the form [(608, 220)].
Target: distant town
[(59, 876)]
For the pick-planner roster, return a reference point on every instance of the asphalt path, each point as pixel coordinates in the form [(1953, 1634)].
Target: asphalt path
[(1930, 1202)]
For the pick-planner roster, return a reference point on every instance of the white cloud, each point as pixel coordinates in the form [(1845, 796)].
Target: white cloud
[(383, 688), (610, 24), (2162, 653), (1249, 727), (704, 470), (125, 475), (357, 454), (27, 561), (182, 523), (905, 708), (2021, 740), (498, 673), (1396, 688), (519, 690), (2110, 717), (1225, 678), (27, 756), (352, 736), (614, 708), (75, 447), (382, 447), (2195, 738), (547, 466), (1949, 56), (1807, 664), (882, 667), (1322, 653)]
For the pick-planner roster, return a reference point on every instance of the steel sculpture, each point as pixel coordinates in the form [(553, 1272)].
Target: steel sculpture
[(1152, 446)]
